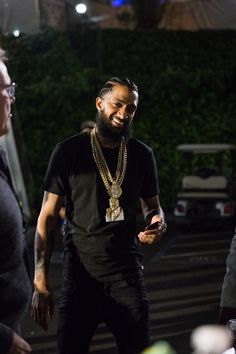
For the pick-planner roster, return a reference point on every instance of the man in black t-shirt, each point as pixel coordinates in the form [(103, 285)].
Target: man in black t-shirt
[(103, 174)]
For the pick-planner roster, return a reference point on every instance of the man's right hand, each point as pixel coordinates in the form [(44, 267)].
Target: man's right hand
[(42, 308), (19, 345)]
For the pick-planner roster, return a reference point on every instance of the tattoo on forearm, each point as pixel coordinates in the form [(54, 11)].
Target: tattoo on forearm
[(40, 261), (43, 249)]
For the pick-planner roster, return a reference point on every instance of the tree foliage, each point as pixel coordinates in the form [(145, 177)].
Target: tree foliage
[(187, 84)]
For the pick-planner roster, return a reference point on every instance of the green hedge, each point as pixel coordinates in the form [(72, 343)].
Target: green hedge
[(187, 83)]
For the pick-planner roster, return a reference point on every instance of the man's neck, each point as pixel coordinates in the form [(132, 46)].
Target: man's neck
[(107, 142)]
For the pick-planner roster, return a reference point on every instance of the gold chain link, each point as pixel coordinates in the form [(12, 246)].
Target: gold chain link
[(102, 165)]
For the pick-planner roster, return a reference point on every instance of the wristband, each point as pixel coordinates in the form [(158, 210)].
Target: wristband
[(149, 216)]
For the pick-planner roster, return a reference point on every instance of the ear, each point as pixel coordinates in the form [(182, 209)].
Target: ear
[(99, 103)]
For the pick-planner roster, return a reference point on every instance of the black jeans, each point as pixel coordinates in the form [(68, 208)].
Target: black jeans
[(85, 302)]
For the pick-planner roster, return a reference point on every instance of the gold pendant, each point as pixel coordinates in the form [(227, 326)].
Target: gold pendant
[(115, 212), (115, 191)]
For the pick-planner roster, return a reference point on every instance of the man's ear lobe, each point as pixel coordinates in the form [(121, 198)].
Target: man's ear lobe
[(99, 103)]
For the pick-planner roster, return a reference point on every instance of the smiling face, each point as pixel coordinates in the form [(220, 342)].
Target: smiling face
[(116, 110), (5, 100)]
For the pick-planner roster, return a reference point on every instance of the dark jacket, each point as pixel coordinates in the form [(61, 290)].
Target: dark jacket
[(15, 285)]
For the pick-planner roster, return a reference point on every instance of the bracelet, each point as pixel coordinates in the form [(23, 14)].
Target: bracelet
[(149, 216)]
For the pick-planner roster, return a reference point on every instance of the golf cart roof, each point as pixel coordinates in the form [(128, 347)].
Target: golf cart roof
[(205, 148)]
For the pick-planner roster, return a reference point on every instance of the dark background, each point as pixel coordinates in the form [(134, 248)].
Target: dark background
[(187, 84)]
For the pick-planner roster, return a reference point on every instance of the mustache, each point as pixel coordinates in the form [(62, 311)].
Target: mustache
[(122, 121), (107, 131)]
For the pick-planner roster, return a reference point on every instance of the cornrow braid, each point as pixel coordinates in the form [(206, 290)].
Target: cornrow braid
[(124, 81)]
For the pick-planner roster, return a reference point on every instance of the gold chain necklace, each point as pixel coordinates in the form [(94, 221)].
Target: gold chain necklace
[(112, 184)]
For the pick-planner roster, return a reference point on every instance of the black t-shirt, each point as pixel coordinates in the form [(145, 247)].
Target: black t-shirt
[(72, 172)]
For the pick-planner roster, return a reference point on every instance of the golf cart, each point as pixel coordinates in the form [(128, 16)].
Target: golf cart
[(207, 195)]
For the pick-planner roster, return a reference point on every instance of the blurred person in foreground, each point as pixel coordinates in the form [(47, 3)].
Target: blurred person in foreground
[(102, 174), (15, 287)]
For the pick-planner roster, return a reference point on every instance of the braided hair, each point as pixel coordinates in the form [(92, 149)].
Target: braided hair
[(124, 81)]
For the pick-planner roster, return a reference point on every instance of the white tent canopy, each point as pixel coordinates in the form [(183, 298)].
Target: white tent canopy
[(21, 15), (198, 14), (26, 15)]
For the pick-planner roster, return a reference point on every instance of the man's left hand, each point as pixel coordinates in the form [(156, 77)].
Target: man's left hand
[(154, 231)]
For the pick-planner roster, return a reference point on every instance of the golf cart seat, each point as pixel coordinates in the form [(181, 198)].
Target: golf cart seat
[(198, 183)]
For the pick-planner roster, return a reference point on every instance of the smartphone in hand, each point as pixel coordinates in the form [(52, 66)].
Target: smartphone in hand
[(152, 226)]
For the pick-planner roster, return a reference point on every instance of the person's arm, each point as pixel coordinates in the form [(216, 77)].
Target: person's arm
[(227, 309), (154, 218), (47, 227)]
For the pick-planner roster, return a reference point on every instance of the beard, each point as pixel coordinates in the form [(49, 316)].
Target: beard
[(108, 131)]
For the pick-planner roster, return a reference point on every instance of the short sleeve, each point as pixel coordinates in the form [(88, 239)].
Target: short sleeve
[(56, 178), (150, 187)]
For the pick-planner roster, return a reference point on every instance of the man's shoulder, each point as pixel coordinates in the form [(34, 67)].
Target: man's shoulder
[(137, 145), (71, 146), (76, 139), (73, 143)]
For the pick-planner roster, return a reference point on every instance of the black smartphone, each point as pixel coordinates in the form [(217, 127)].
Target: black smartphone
[(152, 226)]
